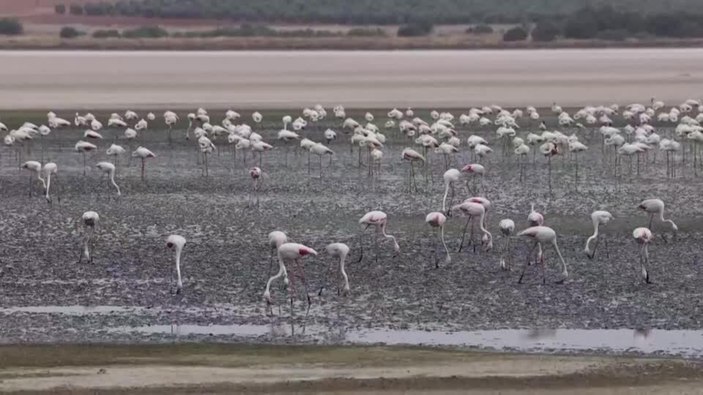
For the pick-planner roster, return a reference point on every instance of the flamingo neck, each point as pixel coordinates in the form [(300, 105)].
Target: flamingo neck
[(178, 266)]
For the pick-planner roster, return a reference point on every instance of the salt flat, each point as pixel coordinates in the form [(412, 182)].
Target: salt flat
[(270, 79)]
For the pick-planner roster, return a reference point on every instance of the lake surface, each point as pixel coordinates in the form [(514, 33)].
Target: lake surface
[(268, 79)]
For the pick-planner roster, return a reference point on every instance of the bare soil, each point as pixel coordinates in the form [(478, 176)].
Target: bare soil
[(191, 368)]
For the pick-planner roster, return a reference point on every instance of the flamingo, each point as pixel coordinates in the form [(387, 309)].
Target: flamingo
[(260, 147), (319, 149), (143, 154), (275, 240), (541, 235), (412, 156), (644, 236), (90, 221), (206, 147), (255, 173), (507, 227), (341, 251), (474, 169), (109, 170), (598, 218), (451, 177), (656, 206), (437, 220), (34, 168), (474, 210), (49, 169), (115, 151), (379, 220), (177, 243), (84, 147), (290, 252)]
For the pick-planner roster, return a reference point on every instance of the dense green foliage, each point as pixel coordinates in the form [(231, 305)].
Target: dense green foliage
[(70, 32), (575, 19), (10, 27), (545, 31), (377, 11), (515, 34), (145, 32), (111, 33), (415, 29)]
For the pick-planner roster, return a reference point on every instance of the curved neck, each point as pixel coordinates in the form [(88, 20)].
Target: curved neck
[(342, 259), (178, 265)]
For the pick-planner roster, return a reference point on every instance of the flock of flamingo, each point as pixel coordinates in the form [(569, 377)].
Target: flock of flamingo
[(638, 138)]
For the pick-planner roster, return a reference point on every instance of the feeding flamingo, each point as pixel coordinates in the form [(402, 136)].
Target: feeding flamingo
[(474, 210), (644, 236), (109, 170), (542, 235), (90, 221), (598, 218), (177, 243), (290, 253), (437, 220), (379, 220)]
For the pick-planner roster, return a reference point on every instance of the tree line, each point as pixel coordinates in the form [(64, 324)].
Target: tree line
[(363, 12)]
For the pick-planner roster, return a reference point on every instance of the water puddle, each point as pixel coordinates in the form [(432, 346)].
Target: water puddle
[(72, 310), (281, 330), (686, 343), (675, 342)]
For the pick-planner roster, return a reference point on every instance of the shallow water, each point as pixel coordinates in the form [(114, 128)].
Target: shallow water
[(277, 79), (687, 343)]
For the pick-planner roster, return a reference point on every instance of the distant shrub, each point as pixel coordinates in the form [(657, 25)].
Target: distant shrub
[(515, 34), (545, 31), (60, 9), (70, 32), (415, 29), (99, 9), (10, 27), (581, 26), (112, 33), (145, 32), (613, 35), (480, 29), (361, 32), (76, 9)]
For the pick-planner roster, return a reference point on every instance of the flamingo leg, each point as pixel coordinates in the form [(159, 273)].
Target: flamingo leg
[(527, 263), (461, 245)]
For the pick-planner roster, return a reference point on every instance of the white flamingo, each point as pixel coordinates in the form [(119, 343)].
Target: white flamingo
[(177, 243), (109, 170), (598, 218), (437, 220)]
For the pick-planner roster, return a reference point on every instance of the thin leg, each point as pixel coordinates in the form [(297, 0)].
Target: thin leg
[(527, 263), (463, 233)]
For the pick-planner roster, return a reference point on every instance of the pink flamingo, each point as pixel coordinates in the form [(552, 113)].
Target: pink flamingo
[(541, 235), (644, 236), (437, 220), (379, 220), (476, 170), (290, 253), (474, 211), (275, 240)]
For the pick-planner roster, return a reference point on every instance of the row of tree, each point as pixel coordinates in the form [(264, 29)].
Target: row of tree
[(362, 12)]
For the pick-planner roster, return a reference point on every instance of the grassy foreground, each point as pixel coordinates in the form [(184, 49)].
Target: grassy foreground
[(220, 368)]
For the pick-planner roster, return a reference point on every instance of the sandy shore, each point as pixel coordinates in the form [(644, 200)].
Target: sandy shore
[(371, 370)]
